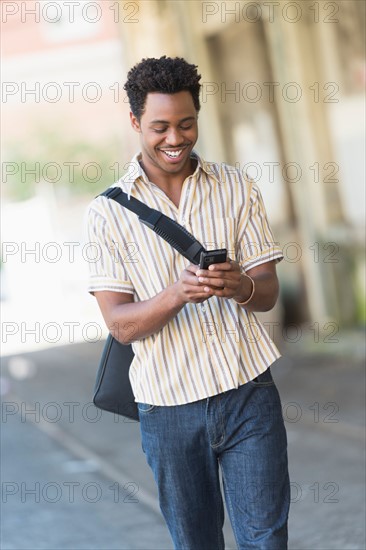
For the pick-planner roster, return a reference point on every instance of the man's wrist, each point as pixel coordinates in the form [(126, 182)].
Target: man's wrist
[(175, 297), (246, 295)]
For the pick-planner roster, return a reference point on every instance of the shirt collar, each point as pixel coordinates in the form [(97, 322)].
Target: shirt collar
[(135, 170), (210, 168)]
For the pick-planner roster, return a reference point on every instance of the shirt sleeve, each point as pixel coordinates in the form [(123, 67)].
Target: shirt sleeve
[(256, 242), (107, 271)]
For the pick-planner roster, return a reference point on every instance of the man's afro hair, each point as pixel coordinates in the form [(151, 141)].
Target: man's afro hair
[(166, 75)]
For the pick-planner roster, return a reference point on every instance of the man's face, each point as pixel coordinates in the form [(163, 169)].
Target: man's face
[(168, 132)]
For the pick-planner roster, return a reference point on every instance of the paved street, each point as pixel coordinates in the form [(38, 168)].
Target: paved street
[(75, 478)]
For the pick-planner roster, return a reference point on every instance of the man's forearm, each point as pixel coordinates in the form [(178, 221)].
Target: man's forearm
[(265, 294), (131, 321), (137, 320)]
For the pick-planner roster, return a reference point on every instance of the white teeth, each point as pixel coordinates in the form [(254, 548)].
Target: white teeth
[(173, 154)]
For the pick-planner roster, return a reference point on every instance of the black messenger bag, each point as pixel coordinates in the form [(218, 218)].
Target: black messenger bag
[(113, 391)]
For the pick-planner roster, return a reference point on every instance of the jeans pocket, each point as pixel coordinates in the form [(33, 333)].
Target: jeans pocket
[(145, 407), (264, 379)]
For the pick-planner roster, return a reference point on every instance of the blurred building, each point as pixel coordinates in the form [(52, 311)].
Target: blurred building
[(62, 65), (282, 99), (63, 133)]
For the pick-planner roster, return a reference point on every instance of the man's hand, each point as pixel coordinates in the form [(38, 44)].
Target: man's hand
[(188, 288), (224, 280)]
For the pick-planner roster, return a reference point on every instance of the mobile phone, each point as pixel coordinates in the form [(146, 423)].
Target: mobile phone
[(212, 257)]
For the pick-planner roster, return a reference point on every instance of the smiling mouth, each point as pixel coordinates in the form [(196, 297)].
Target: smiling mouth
[(173, 154)]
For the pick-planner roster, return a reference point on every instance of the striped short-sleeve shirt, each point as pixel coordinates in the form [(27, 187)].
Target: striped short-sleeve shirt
[(206, 348)]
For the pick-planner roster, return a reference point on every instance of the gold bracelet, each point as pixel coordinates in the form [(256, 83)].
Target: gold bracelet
[(251, 294)]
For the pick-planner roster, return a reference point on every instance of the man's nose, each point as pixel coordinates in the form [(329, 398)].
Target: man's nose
[(174, 137)]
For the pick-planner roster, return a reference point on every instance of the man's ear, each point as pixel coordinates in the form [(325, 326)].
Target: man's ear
[(135, 123)]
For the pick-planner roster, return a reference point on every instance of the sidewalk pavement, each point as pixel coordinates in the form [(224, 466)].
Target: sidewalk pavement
[(76, 478)]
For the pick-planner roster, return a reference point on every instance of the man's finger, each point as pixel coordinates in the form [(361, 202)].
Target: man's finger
[(192, 268), (226, 266)]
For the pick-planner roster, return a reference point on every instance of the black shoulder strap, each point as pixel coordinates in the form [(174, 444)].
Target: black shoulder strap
[(169, 230)]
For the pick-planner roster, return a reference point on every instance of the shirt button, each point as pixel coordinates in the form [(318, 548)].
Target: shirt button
[(203, 309), (183, 221)]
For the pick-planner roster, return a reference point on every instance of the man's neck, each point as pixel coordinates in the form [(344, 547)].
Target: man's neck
[(170, 184), (166, 180)]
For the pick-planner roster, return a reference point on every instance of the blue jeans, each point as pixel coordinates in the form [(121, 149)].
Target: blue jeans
[(243, 431)]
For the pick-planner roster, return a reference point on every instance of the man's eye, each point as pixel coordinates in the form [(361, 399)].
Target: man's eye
[(159, 130), (186, 127)]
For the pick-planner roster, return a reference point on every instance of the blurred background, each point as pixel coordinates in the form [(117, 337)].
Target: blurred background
[(283, 100)]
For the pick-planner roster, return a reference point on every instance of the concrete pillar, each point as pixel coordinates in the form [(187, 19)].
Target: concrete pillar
[(299, 147)]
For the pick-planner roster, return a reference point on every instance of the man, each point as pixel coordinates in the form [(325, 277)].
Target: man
[(201, 374)]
